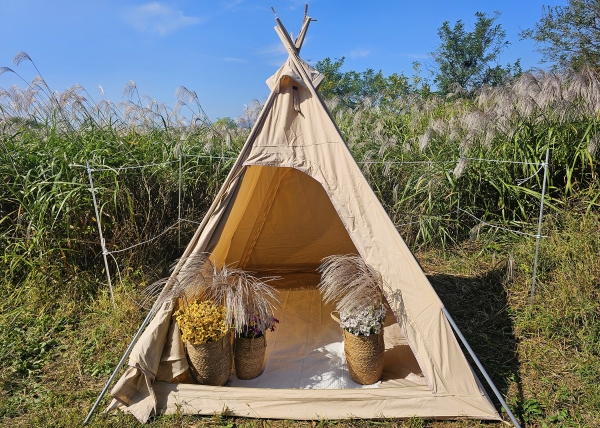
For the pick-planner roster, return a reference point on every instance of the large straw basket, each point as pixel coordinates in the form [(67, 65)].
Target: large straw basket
[(364, 356), (210, 363), (249, 355)]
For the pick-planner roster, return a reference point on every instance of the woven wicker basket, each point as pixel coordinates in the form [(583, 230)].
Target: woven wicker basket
[(364, 356), (210, 363), (249, 356)]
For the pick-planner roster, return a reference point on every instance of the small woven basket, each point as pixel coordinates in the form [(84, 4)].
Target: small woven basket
[(249, 356), (210, 363), (364, 356)]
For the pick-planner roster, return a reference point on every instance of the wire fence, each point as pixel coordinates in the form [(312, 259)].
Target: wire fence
[(543, 166)]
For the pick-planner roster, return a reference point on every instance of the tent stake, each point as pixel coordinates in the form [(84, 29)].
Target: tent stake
[(485, 375), (539, 231), (123, 358), (102, 242)]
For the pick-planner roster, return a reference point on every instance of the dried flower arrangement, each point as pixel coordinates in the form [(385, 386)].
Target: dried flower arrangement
[(256, 328), (202, 322), (248, 300), (357, 289), (222, 299)]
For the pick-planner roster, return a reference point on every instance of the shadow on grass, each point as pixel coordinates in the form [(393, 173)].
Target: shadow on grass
[(479, 307)]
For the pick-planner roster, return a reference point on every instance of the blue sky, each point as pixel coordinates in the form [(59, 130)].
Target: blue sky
[(226, 49)]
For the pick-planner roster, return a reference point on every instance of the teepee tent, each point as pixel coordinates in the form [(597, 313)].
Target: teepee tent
[(294, 196)]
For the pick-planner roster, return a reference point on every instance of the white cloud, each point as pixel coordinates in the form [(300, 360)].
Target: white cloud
[(276, 49), (157, 18), (276, 54), (360, 53)]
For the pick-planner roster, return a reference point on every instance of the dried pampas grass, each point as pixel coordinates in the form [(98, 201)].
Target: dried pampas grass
[(350, 282), (244, 295)]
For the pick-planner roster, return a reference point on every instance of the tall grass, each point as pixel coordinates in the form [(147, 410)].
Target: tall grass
[(417, 153), (420, 153)]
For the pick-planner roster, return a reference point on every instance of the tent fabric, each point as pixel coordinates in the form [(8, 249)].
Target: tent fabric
[(295, 195)]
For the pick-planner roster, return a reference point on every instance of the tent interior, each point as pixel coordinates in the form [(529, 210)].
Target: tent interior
[(282, 223)]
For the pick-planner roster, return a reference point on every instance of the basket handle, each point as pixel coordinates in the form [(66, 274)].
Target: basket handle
[(333, 317)]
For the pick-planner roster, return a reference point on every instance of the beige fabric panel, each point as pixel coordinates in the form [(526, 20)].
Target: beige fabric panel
[(310, 142), (317, 404), (281, 218)]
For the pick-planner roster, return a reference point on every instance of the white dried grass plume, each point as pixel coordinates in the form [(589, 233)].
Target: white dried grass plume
[(488, 141), (20, 57), (39, 82), (526, 86), (332, 103), (149, 102), (379, 125), (242, 293), (526, 107), (350, 282), (395, 193), (386, 143), (424, 139), (460, 167), (593, 144), (551, 91), (474, 123), (387, 168), (5, 70), (130, 89), (183, 93), (455, 134), (367, 103), (439, 126), (356, 119)]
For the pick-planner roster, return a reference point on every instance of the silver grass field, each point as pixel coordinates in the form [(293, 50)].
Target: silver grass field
[(427, 158)]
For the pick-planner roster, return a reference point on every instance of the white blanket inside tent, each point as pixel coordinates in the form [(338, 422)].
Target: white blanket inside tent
[(306, 350)]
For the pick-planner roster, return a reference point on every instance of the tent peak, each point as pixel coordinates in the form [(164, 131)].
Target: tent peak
[(296, 44)]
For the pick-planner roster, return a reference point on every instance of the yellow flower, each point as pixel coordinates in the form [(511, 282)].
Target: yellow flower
[(202, 322)]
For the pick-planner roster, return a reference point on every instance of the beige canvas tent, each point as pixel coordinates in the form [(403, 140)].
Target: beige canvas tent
[(294, 196)]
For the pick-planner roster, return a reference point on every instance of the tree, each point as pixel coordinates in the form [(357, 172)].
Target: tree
[(352, 86), (569, 36), (466, 58)]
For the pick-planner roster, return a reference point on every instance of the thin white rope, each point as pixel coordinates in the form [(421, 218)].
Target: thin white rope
[(521, 181), (123, 168), (145, 242), (504, 161), (133, 167), (189, 221), (208, 156), (407, 224), (123, 284), (382, 162), (485, 223)]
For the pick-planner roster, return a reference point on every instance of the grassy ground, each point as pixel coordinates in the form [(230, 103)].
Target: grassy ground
[(56, 353)]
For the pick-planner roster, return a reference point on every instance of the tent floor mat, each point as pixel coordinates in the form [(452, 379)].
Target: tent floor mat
[(306, 350)]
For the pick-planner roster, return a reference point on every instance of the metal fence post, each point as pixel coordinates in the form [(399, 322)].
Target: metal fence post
[(102, 242), (539, 231)]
